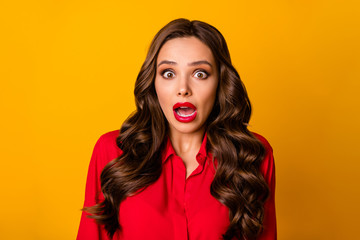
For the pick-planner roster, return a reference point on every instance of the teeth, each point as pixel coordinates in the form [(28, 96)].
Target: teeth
[(184, 115)]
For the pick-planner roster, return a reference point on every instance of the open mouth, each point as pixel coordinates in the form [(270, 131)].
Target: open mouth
[(184, 112)]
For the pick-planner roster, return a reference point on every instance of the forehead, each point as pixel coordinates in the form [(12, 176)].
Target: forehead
[(185, 49)]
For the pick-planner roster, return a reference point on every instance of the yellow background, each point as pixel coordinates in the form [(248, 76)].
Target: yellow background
[(67, 72)]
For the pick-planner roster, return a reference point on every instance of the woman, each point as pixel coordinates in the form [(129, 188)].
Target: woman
[(184, 165)]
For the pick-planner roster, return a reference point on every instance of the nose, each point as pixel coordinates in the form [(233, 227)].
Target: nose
[(184, 89), (183, 92)]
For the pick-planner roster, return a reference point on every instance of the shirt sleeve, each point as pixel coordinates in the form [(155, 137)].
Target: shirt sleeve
[(104, 151), (268, 171)]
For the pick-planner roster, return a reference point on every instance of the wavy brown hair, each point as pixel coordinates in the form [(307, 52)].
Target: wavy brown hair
[(238, 182)]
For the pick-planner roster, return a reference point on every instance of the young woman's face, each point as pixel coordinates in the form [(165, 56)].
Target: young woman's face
[(186, 82)]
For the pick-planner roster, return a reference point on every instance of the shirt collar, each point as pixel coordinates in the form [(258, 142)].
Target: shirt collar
[(200, 156)]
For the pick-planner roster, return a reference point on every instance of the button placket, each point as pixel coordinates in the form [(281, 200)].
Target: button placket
[(179, 172), (187, 202)]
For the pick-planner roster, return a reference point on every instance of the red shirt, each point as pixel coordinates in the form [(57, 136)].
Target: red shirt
[(173, 207)]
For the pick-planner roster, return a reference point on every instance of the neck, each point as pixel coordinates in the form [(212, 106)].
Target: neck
[(185, 143)]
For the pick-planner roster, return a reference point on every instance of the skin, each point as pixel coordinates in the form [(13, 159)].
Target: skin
[(186, 72)]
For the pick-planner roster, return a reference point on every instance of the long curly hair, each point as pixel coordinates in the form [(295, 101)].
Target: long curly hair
[(238, 182)]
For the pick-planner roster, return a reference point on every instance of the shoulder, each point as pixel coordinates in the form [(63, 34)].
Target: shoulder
[(264, 142), (106, 148), (108, 139), (267, 166)]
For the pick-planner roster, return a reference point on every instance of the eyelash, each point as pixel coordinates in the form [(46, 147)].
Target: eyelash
[(197, 71)]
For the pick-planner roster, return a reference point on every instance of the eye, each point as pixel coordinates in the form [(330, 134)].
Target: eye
[(167, 74), (201, 74)]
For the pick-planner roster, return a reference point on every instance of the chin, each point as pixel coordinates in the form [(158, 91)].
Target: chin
[(186, 127)]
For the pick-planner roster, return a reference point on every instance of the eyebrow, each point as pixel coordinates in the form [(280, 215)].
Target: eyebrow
[(189, 64)]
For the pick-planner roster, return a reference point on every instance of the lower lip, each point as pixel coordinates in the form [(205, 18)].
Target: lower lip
[(185, 119)]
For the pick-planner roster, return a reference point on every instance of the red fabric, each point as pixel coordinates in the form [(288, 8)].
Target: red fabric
[(173, 207)]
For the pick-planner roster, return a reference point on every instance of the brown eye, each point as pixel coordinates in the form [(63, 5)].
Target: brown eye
[(201, 74), (167, 74)]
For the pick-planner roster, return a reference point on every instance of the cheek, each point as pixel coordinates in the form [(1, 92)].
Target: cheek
[(209, 96), (162, 95)]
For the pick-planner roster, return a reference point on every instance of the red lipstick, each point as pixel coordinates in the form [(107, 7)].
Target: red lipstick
[(184, 112)]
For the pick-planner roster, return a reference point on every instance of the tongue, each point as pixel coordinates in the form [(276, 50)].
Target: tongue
[(185, 111)]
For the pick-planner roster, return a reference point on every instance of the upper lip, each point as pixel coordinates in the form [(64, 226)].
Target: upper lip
[(184, 104)]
